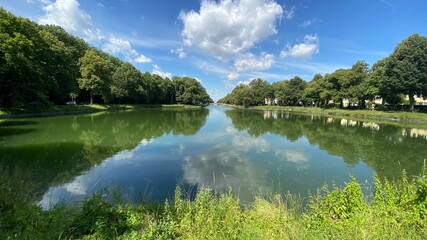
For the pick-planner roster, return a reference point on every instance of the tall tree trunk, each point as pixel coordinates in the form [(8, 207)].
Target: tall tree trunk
[(91, 99), (411, 102)]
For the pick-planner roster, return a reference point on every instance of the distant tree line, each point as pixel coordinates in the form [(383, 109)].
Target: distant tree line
[(402, 73), (45, 64)]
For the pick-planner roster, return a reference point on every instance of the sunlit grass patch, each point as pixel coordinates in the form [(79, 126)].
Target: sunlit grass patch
[(180, 106), (66, 109), (413, 118)]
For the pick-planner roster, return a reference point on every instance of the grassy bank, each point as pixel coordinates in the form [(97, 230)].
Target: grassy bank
[(395, 210), (381, 115), (408, 119), (66, 109)]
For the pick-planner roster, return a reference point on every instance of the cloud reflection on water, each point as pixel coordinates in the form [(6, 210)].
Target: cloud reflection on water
[(223, 167), (298, 157), (89, 181)]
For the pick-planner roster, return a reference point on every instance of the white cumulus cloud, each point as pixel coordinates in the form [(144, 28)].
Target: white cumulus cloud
[(289, 13), (248, 62), (158, 71), (233, 76), (180, 52), (40, 1), (226, 28), (67, 14), (142, 59), (244, 82), (303, 50), (116, 46)]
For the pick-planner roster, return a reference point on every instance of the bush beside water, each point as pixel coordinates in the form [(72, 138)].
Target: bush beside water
[(393, 210)]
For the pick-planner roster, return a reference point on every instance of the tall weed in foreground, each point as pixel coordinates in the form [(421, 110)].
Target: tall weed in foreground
[(207, 217), (275, 218), (221, 216), (397, 211), (19, 217), (100, 217)]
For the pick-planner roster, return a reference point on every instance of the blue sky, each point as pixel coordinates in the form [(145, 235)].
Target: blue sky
[(223, 43)]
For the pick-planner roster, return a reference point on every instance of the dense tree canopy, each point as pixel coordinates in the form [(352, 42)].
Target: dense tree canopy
[(261, 89), (126, 82), (96, 72), (45, 64), (312, 91), (290, 92), (190, 91), (21, 77), (406, 68), (404, 72)]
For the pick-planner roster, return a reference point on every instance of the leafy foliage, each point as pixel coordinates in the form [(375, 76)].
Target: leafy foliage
[(397, 210), (127, 83), (290, 92), (44, 64), (96, 72), (406, 68), (190, 91), (402, 73)]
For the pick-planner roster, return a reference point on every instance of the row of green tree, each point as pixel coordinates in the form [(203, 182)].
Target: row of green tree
[(45, 64), (404, 72)]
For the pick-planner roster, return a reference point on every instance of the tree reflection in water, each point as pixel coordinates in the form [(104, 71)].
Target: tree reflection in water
[(56, 149), (388, 149)]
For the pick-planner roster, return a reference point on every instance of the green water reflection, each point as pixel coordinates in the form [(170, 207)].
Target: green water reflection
[(53, 150), (149, 151), (387, 149)]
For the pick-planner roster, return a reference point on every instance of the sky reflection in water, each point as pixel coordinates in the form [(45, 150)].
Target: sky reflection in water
[(227, 152)]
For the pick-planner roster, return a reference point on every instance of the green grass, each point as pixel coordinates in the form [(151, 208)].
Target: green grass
[(411, 117), (64, 109), (362, 113), (181, 106), (394, 210)]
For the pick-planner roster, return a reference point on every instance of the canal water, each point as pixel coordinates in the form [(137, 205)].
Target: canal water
[(146, 153)]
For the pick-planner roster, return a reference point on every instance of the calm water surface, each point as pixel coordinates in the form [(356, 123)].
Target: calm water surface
[(146, 153)]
